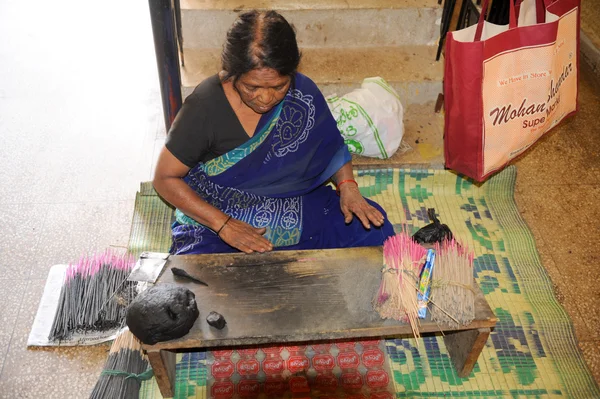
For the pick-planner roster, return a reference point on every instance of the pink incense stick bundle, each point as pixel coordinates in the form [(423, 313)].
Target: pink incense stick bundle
[(91, 293), (397, 295)]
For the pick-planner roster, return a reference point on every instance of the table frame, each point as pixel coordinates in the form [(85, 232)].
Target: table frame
[(220, 271)]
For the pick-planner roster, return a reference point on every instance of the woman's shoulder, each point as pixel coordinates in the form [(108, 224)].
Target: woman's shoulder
[(206, 91), (304, 82), (307, 86)]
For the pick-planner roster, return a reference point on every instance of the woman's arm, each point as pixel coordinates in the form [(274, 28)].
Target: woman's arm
[(169, 184), (352, 202)]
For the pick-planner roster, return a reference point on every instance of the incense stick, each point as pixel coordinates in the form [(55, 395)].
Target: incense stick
[(88, 299), (397, 295), (124, 370), (453, 285)]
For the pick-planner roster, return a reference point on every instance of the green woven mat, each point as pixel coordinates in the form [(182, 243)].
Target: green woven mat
[(151, 225), (531, 353)]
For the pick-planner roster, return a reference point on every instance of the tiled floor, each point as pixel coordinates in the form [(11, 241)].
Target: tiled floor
[(80, 121)]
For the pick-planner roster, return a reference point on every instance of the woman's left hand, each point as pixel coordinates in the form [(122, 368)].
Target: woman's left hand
[(353, 203)]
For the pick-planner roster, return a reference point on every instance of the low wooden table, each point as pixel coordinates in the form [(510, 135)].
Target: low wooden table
[(298, 296)]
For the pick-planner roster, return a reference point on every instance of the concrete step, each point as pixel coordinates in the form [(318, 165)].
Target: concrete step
[(321, 23), (423, 140), (411, 70)]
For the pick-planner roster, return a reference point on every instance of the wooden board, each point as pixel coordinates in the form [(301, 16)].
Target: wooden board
[(292, 296)]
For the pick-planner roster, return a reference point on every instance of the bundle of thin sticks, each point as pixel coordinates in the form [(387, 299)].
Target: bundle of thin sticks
[(124, 370), (452, 290), (397, 295), (94, 295)]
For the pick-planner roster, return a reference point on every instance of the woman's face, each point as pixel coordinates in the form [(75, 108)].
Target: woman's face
[(262, 89)]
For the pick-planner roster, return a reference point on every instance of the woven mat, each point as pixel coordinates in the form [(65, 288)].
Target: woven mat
[(151, 225), (531, 353)]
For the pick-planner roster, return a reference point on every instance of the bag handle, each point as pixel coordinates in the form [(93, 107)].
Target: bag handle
[(540, 11), (512, 18)]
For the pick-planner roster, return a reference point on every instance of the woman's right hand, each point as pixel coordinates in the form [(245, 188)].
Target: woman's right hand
[(244, 237), (169, 184)]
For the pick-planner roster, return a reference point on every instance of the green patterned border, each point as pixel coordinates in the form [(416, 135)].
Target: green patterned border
[(552, 319)]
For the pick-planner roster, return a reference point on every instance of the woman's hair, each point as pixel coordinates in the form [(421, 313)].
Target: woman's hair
[(260, 40)]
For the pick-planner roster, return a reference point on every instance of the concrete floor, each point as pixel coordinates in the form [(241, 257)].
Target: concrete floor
[(590, 20), (80, 122), (80, 115)]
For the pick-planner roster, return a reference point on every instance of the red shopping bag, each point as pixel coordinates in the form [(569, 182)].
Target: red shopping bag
[(506, 86)]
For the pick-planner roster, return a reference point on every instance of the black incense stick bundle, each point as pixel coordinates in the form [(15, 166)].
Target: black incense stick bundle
[(89, 298), (124, 370)]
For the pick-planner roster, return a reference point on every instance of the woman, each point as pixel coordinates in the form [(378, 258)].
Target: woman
[(250, 151)]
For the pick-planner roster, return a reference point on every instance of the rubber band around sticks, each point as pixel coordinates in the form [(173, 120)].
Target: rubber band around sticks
[(413, 285), (146, 375)]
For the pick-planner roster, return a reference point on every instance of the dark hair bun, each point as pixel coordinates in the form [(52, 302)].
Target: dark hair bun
[(260, 40)]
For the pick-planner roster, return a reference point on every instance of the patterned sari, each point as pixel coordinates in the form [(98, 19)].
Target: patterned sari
[(277, 180)]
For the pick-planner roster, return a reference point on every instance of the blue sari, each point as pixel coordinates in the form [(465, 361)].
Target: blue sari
[(277, 180)]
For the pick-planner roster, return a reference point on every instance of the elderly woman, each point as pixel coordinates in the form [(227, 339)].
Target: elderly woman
[(250, 152)]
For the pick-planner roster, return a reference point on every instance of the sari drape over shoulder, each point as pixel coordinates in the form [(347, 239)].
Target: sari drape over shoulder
[(277, 180)]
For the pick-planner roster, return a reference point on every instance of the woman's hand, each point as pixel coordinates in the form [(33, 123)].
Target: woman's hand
[(169, 184), (352, 202), (244, 237)]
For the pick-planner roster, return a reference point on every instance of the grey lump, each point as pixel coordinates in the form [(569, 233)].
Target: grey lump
[(162, 313)]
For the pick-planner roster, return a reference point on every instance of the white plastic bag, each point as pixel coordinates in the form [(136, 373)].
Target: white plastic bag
[(370, 118)]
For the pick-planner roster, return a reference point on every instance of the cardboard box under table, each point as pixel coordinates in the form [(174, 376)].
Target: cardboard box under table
[(298, 296)]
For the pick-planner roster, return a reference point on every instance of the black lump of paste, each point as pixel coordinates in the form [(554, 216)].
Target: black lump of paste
[(216, 320), (162, 313)]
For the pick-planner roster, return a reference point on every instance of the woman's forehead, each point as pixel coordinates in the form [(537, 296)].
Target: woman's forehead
[(264, 77)]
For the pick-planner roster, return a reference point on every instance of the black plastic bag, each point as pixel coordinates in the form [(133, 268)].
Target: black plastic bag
[(433, 232)]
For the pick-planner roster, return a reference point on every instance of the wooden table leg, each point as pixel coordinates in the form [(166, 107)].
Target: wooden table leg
[(465, 347), (163, 364)]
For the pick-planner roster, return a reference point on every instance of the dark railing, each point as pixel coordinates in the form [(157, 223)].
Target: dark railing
[(454, 18), (165, 16)]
